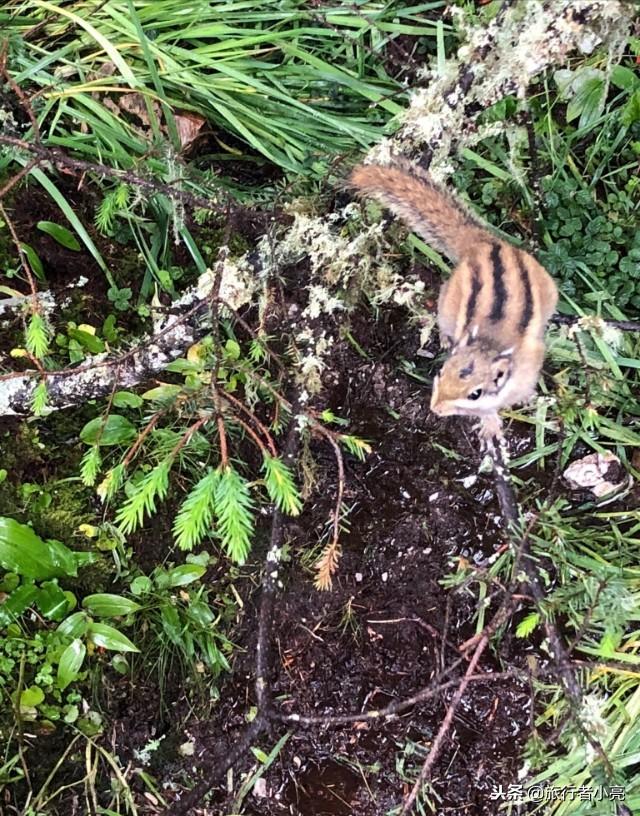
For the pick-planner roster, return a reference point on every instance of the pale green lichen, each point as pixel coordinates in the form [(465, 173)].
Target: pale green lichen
[(238, 283), (530, 37)]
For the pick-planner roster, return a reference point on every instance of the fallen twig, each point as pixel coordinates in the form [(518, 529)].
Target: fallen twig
[(58, 158)]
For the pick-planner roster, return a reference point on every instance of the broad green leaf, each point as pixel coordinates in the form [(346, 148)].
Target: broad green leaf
[(588, 101), (11, 581), (75, 625), (109, 332), (70, 663), (185, 574), (171, 624), (106, 605), (34, 261), (126, 399), (624, 78), (110, 638), (31, 697), (71, 713), (114, 430), (201, 613), (162, 393), (60, 234), (120, 663), (631, 112), (24, 552), (93, 344), (141, 585), (52, 601), (182, 366), (16, 603)]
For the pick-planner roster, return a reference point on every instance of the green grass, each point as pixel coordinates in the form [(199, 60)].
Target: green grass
[(289, 82)]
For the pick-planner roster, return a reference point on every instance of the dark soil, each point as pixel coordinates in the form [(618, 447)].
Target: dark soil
[(388, 627)]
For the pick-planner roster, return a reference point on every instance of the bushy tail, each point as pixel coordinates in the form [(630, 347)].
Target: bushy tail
[(430, 210)]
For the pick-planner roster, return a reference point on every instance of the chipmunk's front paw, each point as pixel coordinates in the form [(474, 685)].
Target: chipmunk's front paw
[(446, 342), (490, 427)]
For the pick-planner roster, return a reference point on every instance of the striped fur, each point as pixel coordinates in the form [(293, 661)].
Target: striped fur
[(493, 310)]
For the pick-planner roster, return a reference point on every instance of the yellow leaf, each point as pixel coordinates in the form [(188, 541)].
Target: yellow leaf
[(85, 327), (89, 530), (103, 487), (195, 353)]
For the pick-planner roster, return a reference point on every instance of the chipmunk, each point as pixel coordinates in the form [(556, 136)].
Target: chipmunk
[(493, 310)]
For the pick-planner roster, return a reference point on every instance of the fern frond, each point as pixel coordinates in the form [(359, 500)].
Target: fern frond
[(196, 513), (90, 466), (358, 447), (527, 625), (112, 202), (37, 339), (111, 483), (257, 351), (234, 513), (151, 488), (327, 565), (39, 398), (280, 486)]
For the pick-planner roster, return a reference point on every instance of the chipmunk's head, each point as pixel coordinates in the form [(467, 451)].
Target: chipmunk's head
[(471, 381)]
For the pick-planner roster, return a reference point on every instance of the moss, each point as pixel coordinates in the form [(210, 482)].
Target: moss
[(210, 238), (35, 489)]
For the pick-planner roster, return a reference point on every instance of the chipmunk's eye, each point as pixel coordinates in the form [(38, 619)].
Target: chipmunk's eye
[(476, 394)]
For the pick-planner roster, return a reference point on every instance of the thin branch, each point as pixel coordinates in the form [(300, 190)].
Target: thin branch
[(438, 743), (621, 325), (75, 385), (393, 709), (18, 177), (58, 157), (242, 407), (35, 305)]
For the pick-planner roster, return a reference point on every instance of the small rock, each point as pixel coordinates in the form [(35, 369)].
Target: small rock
[(260, 788), (601, 473)]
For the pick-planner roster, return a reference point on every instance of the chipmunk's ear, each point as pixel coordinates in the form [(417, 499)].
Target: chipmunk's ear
[(501, 367)]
